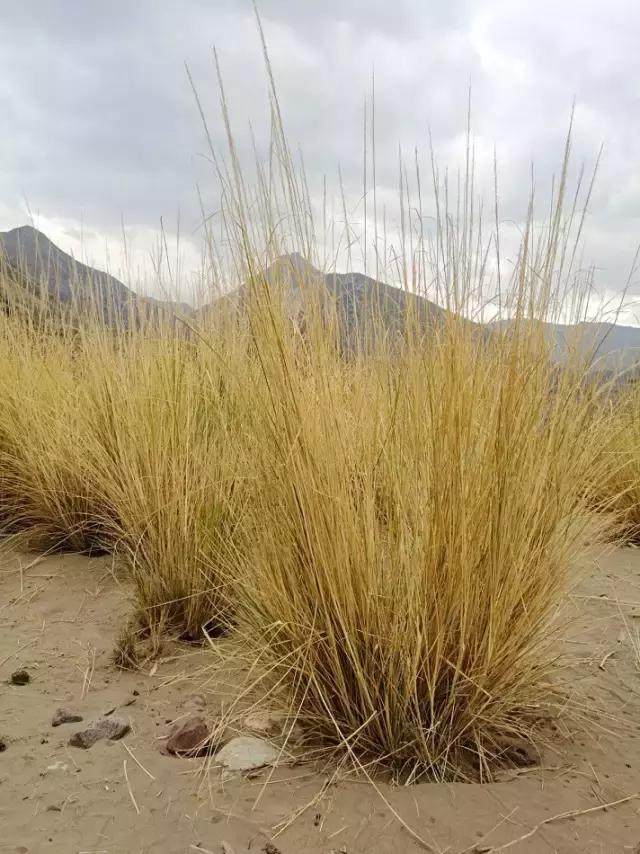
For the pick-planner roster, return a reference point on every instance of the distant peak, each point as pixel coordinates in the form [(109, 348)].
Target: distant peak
[(294, 258), (296, 263), (25, 235), (25, 229)]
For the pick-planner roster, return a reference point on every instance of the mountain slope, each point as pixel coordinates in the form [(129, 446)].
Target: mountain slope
[(612, 348), (38, 263), (358, 299)]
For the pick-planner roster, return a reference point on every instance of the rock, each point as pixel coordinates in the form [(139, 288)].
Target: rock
[(246, 753), (20, 677), (57, 766), (65, 716), (270, 848), (111, 728), (226, 848), (274, 725), (189, 737), (3, 745), (265, 722), (196, 702)]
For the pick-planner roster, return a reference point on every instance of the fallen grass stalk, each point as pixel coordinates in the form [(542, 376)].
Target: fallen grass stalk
[(561, 817), (129, 789)]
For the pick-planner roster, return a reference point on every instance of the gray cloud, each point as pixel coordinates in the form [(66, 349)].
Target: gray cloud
[(101, 126)]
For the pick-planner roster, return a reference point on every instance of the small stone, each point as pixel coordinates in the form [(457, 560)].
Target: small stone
[(65, 716), (3, 745), (20, 677), (270, 848), (226, 848), (111, 728), (247, 753), (189, 737), (265, 722), (196, 702), (57, 766)]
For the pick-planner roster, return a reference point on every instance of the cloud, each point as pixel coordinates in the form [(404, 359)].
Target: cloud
[(103, 128)]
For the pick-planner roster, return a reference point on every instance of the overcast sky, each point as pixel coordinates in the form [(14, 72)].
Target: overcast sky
[(99, 125)]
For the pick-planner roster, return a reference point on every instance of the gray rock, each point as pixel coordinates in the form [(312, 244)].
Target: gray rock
[(189, 737), (246, 753), (111, 728), (65, 716), (20, 677)]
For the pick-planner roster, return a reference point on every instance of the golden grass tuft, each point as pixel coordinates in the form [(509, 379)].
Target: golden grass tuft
[(619, 486), (132, 443), (418, 524), (168, 453)]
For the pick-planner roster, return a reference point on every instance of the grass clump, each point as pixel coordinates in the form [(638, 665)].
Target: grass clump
[(422, 498), (619, 486), (417, 528), (46, 489), (168, 452), (131, 442)]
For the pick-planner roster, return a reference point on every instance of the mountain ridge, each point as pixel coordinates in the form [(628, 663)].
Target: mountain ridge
[(39, 263), (31, 254)]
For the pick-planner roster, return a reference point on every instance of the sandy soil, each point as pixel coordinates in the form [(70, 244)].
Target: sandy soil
[(58, 619)]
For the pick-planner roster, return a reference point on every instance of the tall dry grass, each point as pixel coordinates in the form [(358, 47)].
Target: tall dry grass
[(619, 486), (418, 524), (131, 442), (45, 486), (169, 453)]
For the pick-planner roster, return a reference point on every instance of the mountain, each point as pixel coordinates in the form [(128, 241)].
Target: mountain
[(357, 299), (38, 264), (613, 348)]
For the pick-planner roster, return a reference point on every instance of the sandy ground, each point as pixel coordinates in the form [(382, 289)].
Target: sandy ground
[(58, 619)]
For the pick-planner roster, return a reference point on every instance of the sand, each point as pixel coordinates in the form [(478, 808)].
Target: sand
[(59, 617)]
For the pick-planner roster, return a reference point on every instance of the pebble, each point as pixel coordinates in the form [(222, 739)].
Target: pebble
[(112, 728), (189, 737), (65, 716), (247, 753), (20, 677), (265, 722)]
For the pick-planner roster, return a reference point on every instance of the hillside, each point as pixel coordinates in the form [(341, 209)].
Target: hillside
[(38, 265)]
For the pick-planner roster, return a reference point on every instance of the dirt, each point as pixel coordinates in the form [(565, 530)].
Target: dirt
[(59, 617)]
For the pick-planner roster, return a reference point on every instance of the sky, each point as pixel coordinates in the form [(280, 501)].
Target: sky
[(102, 140)]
